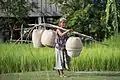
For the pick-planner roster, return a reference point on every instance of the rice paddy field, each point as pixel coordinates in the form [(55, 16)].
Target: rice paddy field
[(48, 75), (22, 58)]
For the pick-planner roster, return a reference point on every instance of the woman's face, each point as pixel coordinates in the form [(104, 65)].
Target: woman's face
[(63, 23)]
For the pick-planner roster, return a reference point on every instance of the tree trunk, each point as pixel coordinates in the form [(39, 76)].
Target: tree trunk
[(11, 33)]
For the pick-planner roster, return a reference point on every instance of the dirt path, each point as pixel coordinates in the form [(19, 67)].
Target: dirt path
[(51, 75)]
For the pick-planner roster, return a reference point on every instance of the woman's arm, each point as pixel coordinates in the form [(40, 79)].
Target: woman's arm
[(60, 33)]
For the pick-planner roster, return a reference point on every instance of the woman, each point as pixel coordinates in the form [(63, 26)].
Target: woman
[(62, 59)]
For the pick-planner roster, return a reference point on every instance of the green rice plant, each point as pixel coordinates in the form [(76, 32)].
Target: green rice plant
[(99, 57), (94, 57), (23, 57)]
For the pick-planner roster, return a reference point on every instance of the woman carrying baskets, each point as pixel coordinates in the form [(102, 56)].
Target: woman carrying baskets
[(62, 59)]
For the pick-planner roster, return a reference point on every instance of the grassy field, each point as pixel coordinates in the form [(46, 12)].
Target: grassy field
[(103, 56), (48, 75)]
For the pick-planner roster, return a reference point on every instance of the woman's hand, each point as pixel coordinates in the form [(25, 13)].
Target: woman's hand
[(62, 34), (70, 30)]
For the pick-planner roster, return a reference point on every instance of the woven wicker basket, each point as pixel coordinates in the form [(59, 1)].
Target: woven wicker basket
[(74, 46)]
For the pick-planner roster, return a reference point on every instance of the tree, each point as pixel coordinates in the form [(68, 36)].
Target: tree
[(19, 9), (81, 15), (112, 16), (97, 18), (16, 8)]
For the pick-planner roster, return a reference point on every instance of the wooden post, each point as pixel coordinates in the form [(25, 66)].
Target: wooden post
[(22, 33), (11, 33), (39, 20), (1, 38)]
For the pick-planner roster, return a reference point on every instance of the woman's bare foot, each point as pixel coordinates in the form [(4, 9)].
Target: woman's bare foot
[(63, 75)]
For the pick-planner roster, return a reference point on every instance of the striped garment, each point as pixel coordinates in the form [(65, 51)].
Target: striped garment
[(62, 59), (60, 42)]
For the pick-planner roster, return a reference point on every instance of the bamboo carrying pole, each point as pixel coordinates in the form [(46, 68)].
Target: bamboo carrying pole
[(54, 26)]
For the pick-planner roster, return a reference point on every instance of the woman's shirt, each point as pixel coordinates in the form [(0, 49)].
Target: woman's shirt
[(60, 41)]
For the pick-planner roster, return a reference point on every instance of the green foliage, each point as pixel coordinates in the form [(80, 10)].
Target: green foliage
[(58, 1), (79, 19), (15, 11), (112, 17), (97, 18), (16, 8), (94, 57)]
